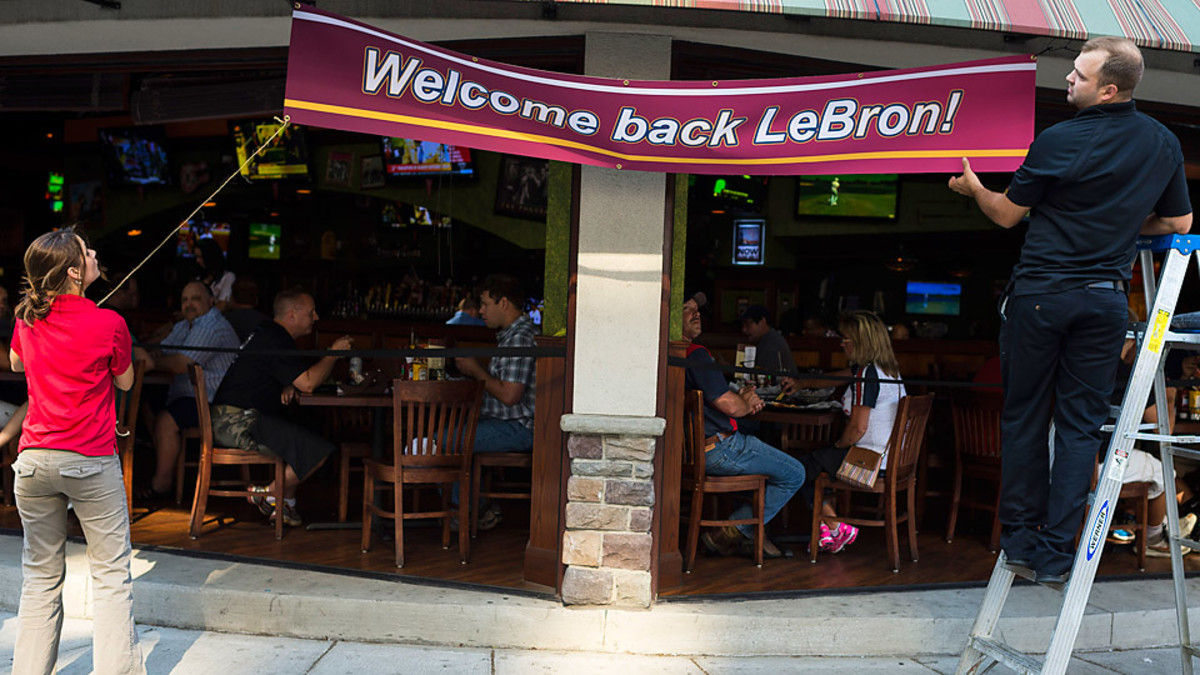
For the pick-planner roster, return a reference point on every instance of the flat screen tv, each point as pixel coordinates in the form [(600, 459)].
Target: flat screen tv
[(265, 241), (850, 196), (195, 230), (932, 297), (735, 192), (410, 157), (285, 157), (135, 156)]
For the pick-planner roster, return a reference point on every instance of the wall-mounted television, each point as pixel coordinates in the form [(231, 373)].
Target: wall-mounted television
[(933, 297), (871, 196), (265, 241), (195, 230), (135, 155), (285, 157), (748, 235), (735, 192), (410, 157)]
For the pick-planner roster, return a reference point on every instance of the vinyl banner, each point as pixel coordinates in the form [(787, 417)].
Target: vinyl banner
[(343, 74)]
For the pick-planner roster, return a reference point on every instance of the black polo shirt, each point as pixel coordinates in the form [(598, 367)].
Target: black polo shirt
[(1090, 182), (257, 380)]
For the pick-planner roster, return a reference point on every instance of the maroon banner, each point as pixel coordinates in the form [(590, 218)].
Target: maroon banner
[(344, 74)]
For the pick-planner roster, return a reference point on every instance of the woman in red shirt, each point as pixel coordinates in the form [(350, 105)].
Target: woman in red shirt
[(72, 353)]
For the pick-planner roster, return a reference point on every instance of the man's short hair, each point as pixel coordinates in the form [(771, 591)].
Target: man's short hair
[(504, 286), (288, 300), (756, 313), (207, 291), (468, 303), (1124, 65)]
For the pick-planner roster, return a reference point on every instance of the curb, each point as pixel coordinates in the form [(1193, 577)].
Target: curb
[(213, 594)]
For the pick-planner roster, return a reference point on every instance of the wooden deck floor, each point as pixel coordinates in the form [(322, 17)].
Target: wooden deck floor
[(497, 556)]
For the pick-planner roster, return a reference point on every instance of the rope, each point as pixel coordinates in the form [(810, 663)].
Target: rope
[(283, 124)]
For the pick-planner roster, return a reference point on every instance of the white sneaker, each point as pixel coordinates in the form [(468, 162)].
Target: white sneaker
[(1161, 548), (1187, 524)]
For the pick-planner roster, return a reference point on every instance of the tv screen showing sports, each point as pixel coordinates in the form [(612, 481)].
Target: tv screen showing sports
[(748, 241), (135, 155), (265, 241), (929, 297), (195, 230), (745, 192), (285, 156), (850, 196), (410, 157)]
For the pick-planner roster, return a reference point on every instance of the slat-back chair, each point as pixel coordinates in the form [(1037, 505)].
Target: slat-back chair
[(434, 424), (210, 456), (903, 452), (976, 416), (696, 480), (128, 404)]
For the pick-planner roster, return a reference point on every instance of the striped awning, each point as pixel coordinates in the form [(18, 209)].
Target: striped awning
[(1160, 24)]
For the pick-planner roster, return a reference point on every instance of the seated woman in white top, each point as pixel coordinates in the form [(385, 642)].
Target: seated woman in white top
[(870, 406)]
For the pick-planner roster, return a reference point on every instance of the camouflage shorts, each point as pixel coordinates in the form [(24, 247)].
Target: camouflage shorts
[(233, 428)]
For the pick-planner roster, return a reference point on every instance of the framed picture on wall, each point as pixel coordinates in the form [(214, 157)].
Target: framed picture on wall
[(372, 172), (521, 190), (337, 173)]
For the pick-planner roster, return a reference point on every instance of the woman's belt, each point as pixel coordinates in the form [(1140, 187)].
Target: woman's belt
[(711, 441)]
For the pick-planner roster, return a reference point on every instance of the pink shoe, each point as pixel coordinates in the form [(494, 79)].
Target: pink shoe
[(846, 534), (825, 543)]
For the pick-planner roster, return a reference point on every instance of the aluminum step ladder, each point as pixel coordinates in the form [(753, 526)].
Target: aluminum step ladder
[(983, 649)]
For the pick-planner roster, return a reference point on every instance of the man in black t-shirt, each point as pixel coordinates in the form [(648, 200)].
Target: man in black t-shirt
[(247, 408), (1090, 185)]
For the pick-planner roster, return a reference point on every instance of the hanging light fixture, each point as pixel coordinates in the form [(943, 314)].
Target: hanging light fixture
[(900, 261)]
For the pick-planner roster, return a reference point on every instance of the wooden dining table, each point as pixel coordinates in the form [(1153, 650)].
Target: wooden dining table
[(802, 429)]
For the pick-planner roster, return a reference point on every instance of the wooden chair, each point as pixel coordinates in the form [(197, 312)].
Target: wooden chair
[(903, 451), (210, 456), (128, 404), (352, 427), (696, 479), (181, 462), (504, 460), (434, 424), (976, 416)]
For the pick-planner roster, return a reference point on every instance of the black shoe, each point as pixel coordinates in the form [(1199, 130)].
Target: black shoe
[(1017, 562), (1048, 578)]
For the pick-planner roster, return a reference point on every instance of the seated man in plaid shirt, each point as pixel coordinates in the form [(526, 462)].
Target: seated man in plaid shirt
[(506, 418), (202, 326)]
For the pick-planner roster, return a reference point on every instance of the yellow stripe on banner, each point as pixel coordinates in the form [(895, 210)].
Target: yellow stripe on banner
[(560, 142)]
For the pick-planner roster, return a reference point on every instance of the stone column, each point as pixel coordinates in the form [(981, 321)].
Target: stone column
[(608, 545)]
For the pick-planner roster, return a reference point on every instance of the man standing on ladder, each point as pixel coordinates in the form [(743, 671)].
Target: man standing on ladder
[(1090, 185)]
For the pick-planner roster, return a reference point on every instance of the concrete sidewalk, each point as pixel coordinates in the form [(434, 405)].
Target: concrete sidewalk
[(189, 652), (322, 609)]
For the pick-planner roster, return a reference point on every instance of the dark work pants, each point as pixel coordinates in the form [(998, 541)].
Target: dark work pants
[(1058, 355)]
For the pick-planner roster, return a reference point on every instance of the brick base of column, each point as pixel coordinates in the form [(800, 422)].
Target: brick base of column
[(607, 546)]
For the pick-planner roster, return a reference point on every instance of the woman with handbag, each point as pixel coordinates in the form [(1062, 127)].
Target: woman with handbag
[(73, 353), (870, 406)]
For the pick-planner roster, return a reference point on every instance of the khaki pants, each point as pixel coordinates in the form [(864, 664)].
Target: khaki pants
[(46, 479)]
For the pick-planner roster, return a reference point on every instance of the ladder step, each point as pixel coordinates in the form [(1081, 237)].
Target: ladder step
[(1018, 661), (1185, 452), (1182, 339), (1145, 426), (1188, 542), (1165, 438), (1192, 649)]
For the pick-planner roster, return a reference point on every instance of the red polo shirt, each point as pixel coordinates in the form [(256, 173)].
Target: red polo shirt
[(70, 358)]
